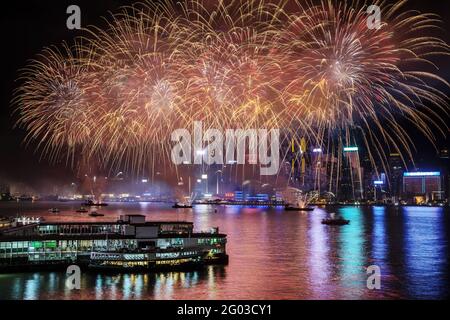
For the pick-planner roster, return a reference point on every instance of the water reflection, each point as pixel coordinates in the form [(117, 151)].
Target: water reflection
[(379, 243), (319, 264), (379, 248), (275, 254), (350, 252), (426, 252)]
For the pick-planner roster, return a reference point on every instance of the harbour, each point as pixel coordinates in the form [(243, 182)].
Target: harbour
[(273, 254)]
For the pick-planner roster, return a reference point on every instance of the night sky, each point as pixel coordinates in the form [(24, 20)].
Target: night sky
[(28, 26)]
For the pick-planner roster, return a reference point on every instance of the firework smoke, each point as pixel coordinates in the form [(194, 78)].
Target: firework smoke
[(311, 68)]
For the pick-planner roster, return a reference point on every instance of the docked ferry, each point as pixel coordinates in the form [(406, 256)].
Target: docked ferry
[(128, 244)]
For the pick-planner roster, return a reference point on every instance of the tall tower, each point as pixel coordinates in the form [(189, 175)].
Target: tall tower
[(352, 173), (396, 169)]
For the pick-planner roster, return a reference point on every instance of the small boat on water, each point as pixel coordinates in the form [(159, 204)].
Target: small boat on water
[(335, 221), (91, 203), (181, 206), (184, 202), (96, 214), (292, 208), (82, 210), (53, 210)]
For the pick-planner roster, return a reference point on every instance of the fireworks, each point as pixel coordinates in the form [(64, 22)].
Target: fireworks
[(313, 69)]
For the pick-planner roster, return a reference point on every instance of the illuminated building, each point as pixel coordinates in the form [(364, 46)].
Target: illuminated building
[(378, 188), (238, 196), (229, 196), (351, 187), (422, 187), (444, 158)]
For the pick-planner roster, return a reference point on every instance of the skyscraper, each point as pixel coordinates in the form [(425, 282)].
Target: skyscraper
[(352, 175), (396, 169)]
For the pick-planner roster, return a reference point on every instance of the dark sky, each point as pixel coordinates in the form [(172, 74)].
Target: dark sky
[(28, 26)]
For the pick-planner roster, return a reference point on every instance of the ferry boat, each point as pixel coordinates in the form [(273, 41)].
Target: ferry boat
[(128, 244)]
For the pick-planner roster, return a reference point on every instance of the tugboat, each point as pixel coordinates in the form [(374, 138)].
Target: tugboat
[(96, 214), (82, 210), (53, 210), (333, 221)]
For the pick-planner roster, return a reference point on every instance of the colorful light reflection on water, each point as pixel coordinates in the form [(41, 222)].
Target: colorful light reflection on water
[(274, 254)]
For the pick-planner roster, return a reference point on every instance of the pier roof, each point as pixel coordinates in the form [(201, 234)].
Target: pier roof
[(109, 236), (147, 223)]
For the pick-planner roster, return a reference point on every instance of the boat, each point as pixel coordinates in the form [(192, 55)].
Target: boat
[(292, 208), (96, 214), (82, 210), (91, 203), (333, 221), (53, 210), (186, 203), (181, 206), (297, 200), (129, 244)]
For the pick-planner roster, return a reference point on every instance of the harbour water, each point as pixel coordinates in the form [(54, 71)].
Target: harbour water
[(274, 254)]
